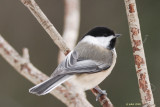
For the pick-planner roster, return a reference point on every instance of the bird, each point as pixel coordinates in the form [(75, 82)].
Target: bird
[(91, 61)]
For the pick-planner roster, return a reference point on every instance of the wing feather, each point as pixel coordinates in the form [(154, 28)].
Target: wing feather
[(73, 64)]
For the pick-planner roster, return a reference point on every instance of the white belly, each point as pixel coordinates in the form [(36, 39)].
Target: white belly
[(89, 81)]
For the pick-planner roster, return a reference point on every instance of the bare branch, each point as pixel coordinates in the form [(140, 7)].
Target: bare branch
[(46, 24), (71, 24), (105, 102), (25, 68), (25, 54), (138, 53)]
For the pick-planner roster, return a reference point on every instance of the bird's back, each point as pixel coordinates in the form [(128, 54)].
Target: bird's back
[(94, 52)]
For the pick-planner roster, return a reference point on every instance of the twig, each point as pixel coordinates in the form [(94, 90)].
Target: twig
[(70, 32), (25, 68), (71, 24), (46, 24), (105, 102), (145, 38), (138, 53), (26, 54)]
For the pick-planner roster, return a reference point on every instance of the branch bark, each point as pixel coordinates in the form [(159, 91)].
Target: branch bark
[(138, 53), (26, 69), (71, 25), (46, 24), (104, 100)]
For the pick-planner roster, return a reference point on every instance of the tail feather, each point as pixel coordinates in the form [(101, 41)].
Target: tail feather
[(48, 85)]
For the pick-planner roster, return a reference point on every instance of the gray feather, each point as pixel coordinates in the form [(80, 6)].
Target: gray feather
[(85, 60), (48, 85)]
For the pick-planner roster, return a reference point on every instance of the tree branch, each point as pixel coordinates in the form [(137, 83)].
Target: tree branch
[(104, 100), (71, 25), (138, 53), (46, 24), (25, 68)]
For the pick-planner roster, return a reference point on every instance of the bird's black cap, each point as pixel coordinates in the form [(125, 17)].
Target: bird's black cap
[(100, 32)]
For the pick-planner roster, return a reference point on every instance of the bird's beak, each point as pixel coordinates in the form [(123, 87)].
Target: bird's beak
[(117, 35)]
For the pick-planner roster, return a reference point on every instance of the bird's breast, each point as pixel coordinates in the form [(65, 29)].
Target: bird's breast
[(89, 81)]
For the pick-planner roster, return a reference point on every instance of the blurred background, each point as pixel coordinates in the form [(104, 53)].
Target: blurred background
[(21, 29)]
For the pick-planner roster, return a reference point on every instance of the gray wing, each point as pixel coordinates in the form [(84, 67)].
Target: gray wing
[(73, 64)]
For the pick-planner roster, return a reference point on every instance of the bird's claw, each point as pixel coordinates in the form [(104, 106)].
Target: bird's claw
[(100, 93)]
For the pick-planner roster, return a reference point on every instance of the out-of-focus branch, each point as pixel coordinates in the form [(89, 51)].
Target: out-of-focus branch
[(25, 68), (138, 53), (71, 24), (71, 30), (46, 24)]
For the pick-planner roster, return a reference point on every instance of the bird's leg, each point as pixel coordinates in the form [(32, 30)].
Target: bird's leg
[(100, 93)]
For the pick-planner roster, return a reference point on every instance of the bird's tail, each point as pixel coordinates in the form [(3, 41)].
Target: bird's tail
[(48, 85)]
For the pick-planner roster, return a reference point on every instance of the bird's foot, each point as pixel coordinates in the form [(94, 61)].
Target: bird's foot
[(100, 93)]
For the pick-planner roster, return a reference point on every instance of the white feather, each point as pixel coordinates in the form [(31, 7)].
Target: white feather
[(100, 41)]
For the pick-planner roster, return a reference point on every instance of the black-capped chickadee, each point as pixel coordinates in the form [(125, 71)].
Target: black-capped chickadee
[(87, 65)]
